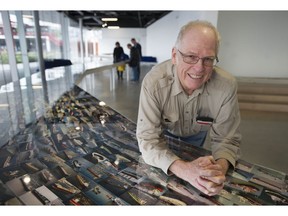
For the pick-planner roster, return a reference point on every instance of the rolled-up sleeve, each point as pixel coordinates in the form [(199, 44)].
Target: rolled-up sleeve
[(225, 132)]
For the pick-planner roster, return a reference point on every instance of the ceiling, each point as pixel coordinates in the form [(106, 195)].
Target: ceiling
[(126, 19)]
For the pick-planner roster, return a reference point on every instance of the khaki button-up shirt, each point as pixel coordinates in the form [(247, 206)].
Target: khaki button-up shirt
[(165, 106)]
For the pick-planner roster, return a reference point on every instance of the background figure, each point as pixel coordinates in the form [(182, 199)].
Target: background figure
[(139, 48), (134, 62), (120, 70), (118, 54)]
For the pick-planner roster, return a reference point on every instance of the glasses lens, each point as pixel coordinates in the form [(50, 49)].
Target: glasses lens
[(209, 62), (191, 59)]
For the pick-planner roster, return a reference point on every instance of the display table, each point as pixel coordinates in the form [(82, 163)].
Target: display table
[(82, 152)]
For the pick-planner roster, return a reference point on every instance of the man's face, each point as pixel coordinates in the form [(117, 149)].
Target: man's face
[(201, 42)]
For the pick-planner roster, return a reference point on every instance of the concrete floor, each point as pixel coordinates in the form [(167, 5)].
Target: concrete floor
[(265, 134)]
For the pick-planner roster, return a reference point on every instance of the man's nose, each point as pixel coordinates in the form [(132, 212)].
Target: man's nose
[(199, 66)]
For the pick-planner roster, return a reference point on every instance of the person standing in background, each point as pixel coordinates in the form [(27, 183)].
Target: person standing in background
[(139, 48), (134, 62), (117, 57)]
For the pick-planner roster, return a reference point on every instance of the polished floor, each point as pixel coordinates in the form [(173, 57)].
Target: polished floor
[(265, 134)]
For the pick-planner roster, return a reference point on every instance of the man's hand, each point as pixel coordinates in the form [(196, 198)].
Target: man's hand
[(204, 173)]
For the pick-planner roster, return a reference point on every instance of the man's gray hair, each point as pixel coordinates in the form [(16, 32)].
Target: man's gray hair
[(195, 23)]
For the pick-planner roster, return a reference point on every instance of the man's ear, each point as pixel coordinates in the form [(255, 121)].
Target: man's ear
[(174, 52)]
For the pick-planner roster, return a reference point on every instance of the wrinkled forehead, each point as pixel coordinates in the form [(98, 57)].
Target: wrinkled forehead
[(198, 37)]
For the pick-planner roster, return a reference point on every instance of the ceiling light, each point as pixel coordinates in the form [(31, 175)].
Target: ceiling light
[(109, 19), (4, 105), (113, 27)]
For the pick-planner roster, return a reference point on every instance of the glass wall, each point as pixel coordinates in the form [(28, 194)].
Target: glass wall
[(21, 84), (26, 89), (51, 34), (4, 77)]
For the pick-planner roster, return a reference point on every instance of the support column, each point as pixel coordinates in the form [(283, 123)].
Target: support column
[(40, 56)]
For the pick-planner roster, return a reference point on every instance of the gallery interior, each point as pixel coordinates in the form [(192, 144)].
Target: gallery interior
[(68, 124)]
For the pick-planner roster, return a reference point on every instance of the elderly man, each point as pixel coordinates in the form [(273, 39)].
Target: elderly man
[(186, 97)]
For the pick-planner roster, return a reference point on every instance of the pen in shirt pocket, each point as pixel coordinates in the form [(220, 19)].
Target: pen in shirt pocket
[(204, 120)]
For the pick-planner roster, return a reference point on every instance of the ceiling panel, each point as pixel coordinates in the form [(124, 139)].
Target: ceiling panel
[(126, 19)]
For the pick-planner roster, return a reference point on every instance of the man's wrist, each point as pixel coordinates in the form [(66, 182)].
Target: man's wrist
[(224, 164), (174, 167)]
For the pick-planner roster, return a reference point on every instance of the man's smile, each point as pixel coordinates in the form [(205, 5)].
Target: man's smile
[(194, 76)]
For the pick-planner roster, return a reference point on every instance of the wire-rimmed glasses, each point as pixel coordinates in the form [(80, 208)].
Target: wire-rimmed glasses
[(192, 59)]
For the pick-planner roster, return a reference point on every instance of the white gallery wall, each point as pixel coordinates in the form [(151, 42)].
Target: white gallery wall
[(254, 43), (123, 36), (161, 35)]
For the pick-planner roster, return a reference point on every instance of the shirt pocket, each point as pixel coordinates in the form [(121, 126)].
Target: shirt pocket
[(204, 123), (169, 121), (203, 126)]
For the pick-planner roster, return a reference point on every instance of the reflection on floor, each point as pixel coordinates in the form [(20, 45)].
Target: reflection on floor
[(265, 134)]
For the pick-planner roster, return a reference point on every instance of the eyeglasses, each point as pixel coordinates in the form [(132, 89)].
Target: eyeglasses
[(192, 59)]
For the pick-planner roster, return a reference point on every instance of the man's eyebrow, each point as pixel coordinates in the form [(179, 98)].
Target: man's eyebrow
[(190, 53)]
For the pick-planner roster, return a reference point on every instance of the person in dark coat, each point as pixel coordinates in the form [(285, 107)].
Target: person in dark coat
[(139, 48), (117, 57), (137, 45), (134, 62)]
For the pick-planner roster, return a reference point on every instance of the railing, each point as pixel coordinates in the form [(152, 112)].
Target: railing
[(112, 69)]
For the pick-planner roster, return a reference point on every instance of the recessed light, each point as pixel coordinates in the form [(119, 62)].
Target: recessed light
[(109, 19)]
